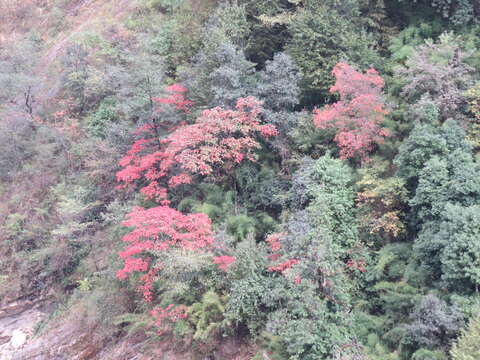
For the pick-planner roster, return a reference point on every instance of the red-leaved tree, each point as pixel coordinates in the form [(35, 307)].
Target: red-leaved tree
[(357, 117), (157, 230), (137, 164), (224, 262), (212, 146), (175, 97)]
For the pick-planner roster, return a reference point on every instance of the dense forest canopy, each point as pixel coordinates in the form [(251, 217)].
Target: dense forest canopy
[(300, 176)]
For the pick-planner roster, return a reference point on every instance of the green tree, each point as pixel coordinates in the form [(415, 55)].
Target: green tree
[(447, 186), (332, 208), (424, 142), (468, 347), (321, 38), (18, 83), (433, 324), (459, 233), (75, 65), (219, 77), (220, 73), (457, 11), (453, 179), (473, 132), (438, 72), (278, 83)]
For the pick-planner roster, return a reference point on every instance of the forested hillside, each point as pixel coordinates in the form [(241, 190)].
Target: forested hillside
[(240, 179)]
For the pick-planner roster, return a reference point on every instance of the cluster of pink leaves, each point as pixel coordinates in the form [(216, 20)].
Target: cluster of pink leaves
[(176, 98), (159, 229), (140, 162), (275, 246), (163, 317), (358, 114), (213, 145), (224, 262), (282, 267), (274, 241)]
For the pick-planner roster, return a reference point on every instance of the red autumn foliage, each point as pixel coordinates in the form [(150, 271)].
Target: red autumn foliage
[(138, 163), (159, 229), (147, 284), (275, 247), (224, 262), (283, 266), (212, 146), (274, 241), (358, 114), (176, 97), (164, 317)]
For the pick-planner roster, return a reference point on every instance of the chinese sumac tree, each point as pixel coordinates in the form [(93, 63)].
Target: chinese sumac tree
[(212, 146), (359, 113)]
